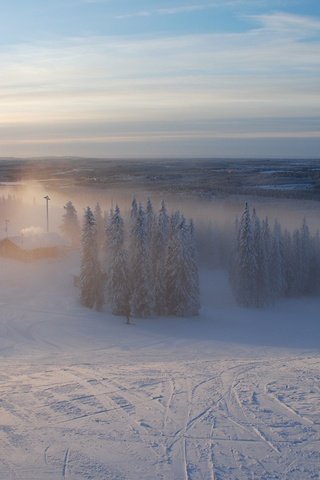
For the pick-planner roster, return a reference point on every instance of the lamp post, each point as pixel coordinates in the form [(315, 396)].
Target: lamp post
[(47, 205)]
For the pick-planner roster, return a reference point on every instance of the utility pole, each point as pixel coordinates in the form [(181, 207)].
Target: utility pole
[(47, 205)]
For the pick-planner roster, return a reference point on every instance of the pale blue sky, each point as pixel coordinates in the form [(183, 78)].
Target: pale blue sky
[(147, 78)]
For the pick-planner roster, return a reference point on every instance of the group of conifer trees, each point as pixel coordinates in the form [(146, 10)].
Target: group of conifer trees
[(146, 265), (142, 267), (271, 263)]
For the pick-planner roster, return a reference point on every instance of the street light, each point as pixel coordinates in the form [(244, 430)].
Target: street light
[(47, 204)]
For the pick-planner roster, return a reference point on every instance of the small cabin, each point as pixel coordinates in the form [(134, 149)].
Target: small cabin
[(37, 248)]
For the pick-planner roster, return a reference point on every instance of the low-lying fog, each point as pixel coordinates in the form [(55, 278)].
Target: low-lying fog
[(22, 206)]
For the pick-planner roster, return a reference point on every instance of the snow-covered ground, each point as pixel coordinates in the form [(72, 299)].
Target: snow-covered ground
[(232, 394)]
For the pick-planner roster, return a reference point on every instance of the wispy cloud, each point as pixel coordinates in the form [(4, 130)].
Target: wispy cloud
[(167, 11), (183, 9), (96, 89), (286, 23), (191, 8)]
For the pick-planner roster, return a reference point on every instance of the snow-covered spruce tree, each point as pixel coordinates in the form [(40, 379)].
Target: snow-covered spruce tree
[(151, 235), (100, 227), (141, 301), (246, 266), (182, 281), (118, 284), (289, 264), (299, 263), (173, 260), (159, 259), (70, 224), (91, 277), (315, 264), (150, 223), (297, 259), (133, 213), (305, 259), (233, 266), (260, 294), (193, 272), (277, 262), (266, 237)]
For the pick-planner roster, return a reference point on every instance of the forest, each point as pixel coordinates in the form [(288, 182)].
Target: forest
[(147, 264)]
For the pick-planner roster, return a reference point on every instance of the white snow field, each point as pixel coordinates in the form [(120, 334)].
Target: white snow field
[(233, 394)]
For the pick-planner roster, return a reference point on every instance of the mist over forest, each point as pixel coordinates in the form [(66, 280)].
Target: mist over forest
[(184, 188), (165, 310)]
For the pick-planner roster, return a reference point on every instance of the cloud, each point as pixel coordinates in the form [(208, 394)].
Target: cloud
[(287, 23), (95, 89), (188, 8), (166, 11), (183, 9)]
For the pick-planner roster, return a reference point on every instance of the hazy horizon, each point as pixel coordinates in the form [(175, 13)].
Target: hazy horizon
[(99, 78)]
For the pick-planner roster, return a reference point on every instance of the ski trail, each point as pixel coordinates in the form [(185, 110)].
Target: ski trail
[(85, 415), (293, 413), (262, 436), (210, 455), (184, 459), (184, 444), (45, 454), (168, 403), (65, 464), (190, 423), (203, 382)]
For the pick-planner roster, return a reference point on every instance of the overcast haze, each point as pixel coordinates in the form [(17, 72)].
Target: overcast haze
[(160, 78)]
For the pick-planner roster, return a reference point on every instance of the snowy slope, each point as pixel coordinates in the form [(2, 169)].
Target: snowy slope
[(232, 394)]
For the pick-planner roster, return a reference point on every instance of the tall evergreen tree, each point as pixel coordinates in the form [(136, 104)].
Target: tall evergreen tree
[(133, 212), (91, 278), (181, 270), (174, 288), (289, 264), (266, 248), (315, 265), (142, 299), (246, 261), (70, 224), (260, 292), (151, 237), (305, 259), (159, 259), (277, 262), (118, 283), (234, 257), (100, 228), (181, 274), (192, 267), (298, 267)]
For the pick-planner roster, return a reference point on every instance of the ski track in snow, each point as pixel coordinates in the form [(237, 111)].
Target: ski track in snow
[(74, 406), (228, 425)]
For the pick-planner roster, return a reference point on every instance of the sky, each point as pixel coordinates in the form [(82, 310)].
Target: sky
[(147, 78)]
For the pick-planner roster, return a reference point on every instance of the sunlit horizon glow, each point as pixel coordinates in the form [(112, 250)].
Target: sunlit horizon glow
[(156, 79)]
